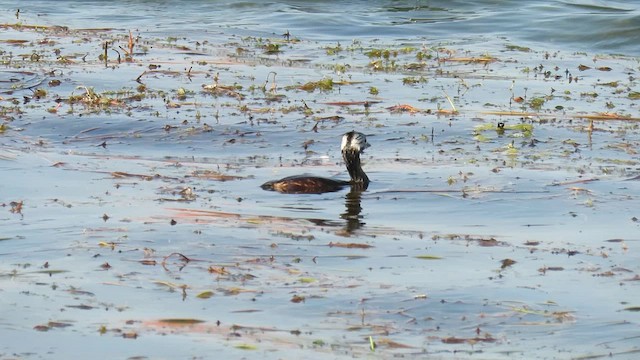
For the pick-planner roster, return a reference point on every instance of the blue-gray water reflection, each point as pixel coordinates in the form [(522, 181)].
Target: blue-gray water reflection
[(593, 26)]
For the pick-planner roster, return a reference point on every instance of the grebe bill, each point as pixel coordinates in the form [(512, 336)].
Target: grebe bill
[(353, 144)]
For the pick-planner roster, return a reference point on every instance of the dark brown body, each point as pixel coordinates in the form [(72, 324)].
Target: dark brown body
[(302, 184)]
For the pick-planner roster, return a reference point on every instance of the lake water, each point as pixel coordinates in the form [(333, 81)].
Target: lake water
[(473, 240), (589, 26)]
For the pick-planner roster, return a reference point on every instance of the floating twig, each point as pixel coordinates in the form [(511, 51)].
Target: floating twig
[(182, 257), (453, 107)]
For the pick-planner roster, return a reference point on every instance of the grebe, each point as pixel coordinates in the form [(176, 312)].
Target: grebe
[(353, 144)]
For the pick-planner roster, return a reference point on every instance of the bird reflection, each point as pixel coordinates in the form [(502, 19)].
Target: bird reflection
[(353, 208)]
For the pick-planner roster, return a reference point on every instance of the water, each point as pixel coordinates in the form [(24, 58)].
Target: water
[(116, 175), (588, 26)]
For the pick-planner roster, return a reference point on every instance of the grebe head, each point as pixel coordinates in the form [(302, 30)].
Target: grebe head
[(354, 141), (353, 144)]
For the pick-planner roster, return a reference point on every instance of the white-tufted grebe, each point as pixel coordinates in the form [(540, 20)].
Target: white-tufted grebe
[(353, 144)]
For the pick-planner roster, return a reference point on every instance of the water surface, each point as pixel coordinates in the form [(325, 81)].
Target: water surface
[(593, 26)]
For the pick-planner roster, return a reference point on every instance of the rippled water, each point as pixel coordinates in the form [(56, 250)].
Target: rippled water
[(591, 26)]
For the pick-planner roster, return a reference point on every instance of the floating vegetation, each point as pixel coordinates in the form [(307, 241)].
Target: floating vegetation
[(350, 245), (536, 103), (481, 59), (272, 48), (333, 50), (246, 347), (224, 90), (51, 325), (91, 97), (322, 85), (513, 130), (428, 257), (414, 80), (512, 47), (403, 108)]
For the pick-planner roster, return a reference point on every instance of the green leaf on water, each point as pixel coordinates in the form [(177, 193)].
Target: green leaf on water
[(526, 129), (324, 85), (205, 294), (511, 151), (428, 257), (318, 343), (536, 103), (246, 347), (307, 280), (520, 127), (518, 48), (485, 127)]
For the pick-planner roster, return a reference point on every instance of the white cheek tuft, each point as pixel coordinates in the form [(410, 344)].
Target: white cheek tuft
[(344, 142), (354, 141)]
